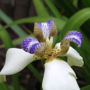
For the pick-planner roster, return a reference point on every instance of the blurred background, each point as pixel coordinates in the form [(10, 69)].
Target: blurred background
[(67, 14)]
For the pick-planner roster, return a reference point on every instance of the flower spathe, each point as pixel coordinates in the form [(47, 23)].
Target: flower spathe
[(58, 74)]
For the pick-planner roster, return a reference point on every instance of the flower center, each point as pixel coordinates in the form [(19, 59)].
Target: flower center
[(46, 51)]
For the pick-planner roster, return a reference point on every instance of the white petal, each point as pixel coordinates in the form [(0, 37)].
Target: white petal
[(73, 57), (58, 45), (57, 76), (16, 60)]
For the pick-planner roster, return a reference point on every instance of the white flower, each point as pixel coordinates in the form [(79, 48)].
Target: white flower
[(18, 59), (58, 74)]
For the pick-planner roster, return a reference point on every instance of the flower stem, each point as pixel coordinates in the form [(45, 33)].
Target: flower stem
[(15, 82), (35, 72)]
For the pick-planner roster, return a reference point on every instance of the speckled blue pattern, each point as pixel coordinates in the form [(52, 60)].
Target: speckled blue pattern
[(34, 48), (30, 45), (75, 37)]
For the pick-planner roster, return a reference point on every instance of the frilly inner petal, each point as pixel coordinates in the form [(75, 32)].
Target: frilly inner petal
[(44, 30), (75, 37), (30, 45)]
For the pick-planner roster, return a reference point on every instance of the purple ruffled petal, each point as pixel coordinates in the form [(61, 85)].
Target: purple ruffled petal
[(34, 48), (75, 37), (45, 27), (30, 45)]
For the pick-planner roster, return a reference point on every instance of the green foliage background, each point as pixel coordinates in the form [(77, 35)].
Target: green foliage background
[(72, 19)]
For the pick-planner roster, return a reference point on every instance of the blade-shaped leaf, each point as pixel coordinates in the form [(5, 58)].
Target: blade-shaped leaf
[(40, 9), (86, 88), (76, 21), (15, 28), (53, 8), (59, 22)]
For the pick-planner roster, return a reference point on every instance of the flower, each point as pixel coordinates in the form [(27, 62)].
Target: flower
[(58, 74)]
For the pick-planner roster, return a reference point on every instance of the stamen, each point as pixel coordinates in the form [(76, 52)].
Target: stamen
[(61, 48), (75, 37), (30, 45), (44, 50), (64, 46), (41, 49)]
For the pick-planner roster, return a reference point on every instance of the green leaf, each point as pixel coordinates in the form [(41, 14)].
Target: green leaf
[(86, 3), (5, 38), (35, 72), (75, 3), (76, 21), (65, 6), (59, 22), (4, 86), (15, 28), (40, 9), (86, 88), (17, 41), (54, 10), (15, 82)]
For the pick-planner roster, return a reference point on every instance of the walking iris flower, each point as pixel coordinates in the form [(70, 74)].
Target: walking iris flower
[(58, 74)]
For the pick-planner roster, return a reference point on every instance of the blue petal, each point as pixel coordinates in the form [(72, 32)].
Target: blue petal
[(45, 28), (75, 37), (30, 45)]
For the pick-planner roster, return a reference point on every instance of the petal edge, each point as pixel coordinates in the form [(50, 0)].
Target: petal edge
[(57, 76), (16, 60), (74, 58)]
